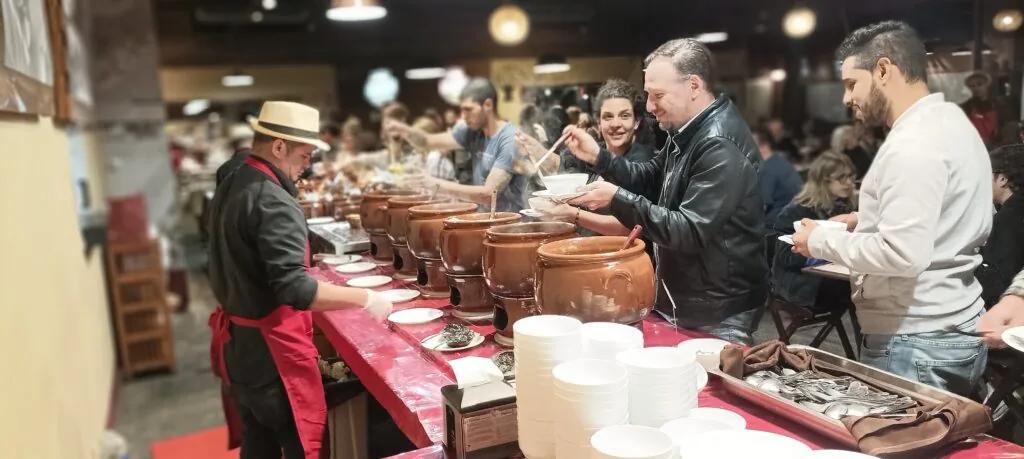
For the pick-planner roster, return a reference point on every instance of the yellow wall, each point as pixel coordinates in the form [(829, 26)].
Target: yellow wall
[(56, 349)]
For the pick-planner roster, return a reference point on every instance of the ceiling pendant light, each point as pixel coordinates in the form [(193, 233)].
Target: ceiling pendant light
[(355, 10), (450, 86), (799, 22), (509, 25), (1008, 20), (237, 79), (550, 63), (381, 87)]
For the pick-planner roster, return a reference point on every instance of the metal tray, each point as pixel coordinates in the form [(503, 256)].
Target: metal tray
[(820, 423)]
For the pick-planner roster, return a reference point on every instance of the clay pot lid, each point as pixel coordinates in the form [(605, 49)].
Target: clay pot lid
[(441, 210), (385, 195), (589, 249), (529, 230), (409, 201), (481, 219)]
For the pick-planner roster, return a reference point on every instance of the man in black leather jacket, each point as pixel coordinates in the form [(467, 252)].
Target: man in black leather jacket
[(707, 225)]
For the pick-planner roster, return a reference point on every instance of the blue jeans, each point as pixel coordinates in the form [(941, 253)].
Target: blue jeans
[(736, 328), (949, 361)]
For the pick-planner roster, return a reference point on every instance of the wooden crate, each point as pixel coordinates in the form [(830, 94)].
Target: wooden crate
[(139, 306)]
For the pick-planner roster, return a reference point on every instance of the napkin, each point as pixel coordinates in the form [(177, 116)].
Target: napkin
[(474, 371)]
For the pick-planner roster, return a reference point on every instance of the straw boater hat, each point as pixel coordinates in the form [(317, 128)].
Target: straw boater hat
[(290, 121)]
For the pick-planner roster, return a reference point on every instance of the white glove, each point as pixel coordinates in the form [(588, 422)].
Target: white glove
[(377, 305)]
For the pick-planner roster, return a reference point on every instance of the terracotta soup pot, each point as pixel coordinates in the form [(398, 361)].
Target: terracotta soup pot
[(510, 254), (469, 295), (431, 279), (506, 312), (590, 279), (462, 240), (380, 247), (425, 224), (373, 209), (397, 221)]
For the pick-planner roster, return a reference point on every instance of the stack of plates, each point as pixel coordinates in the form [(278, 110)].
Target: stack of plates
[(662, 384), (541, 343), (632, 442), (605, 340), (590, 394)]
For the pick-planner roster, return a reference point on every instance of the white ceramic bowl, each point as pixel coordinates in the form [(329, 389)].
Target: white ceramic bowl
[(564, 183), (630, 441), (540, 203), (545, 327), (590, 375), (655, 359)]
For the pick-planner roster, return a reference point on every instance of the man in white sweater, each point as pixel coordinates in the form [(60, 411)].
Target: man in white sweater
[(925, 211)]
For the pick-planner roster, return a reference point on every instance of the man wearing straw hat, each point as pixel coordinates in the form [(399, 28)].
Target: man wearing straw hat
[(261, 346)]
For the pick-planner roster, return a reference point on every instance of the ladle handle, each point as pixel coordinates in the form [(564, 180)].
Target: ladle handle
[(494, 202), (632, 237)]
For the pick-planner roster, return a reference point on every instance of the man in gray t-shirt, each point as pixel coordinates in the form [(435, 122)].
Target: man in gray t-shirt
[(489, 140)]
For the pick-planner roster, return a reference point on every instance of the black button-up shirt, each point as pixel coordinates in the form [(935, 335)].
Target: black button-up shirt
[(257, 261)]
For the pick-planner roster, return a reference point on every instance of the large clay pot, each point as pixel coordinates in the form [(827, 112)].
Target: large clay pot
[(373, 208), (404, 262), (470, 297), (510, 254), (431, 279), (380, 247), (506, 312), (425, 224), (590, 279), (462, 240), (397, 221)]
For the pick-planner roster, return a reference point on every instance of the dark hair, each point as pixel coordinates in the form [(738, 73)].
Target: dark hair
[(762, 137), (892, 39), (479, 90), (331, 129), (617, 89), (555, 120), (395, 111), (689, 57), (1009, 161)]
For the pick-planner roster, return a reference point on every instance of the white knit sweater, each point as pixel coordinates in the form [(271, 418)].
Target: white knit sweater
[(925, 211)]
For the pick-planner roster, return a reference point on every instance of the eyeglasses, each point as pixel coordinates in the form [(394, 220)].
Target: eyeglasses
[(843, 178)]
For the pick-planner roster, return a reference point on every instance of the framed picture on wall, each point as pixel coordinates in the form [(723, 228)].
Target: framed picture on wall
[(26, 63)]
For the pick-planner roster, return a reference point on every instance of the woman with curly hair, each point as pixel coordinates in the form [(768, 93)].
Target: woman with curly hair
[(1003, 254)]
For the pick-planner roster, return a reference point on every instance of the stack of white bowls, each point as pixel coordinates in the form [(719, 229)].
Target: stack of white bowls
[(631, 442), (590, 394), (541, 343), (662, 384), (605, 340)]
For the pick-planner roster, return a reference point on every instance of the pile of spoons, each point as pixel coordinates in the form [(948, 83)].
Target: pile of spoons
[(833, 396)]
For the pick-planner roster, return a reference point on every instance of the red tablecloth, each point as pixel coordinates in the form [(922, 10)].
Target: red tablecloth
[(406, 378)]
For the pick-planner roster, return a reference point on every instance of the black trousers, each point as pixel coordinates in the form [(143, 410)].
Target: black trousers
[(268, 427)]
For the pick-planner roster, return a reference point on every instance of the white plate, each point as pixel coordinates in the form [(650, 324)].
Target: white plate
[(702, 378), (319, 220), (836, 454), (745, 444), (357, 267), (434, 343), (724, 416), (532, 213), (1014, 337), (415, 316), (558, 197), (400, 295), (787, 238), (369, 281), (335, 260), (702, 346)]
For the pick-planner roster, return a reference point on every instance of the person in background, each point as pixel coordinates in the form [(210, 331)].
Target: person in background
[(828, 192), (777, 178), (330, 134), (780, 138), (915, 242), (489, 139), (530, 123), (1003, 254), (438, 164), (1008, 312), (434, 116), (555, 121), (707, 224), (261, 344), (846, 141), (980, 108), (451, 118), (572, 114)]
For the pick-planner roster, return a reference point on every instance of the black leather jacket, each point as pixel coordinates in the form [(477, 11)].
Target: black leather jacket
[(708, 224)]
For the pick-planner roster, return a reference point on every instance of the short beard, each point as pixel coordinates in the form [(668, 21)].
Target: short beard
[(875, 110)]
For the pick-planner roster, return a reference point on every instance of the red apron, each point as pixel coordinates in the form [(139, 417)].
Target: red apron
[(289, 336)]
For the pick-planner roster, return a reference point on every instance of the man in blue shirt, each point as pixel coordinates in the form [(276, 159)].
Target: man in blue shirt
[(777, 178), (490, 141)]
